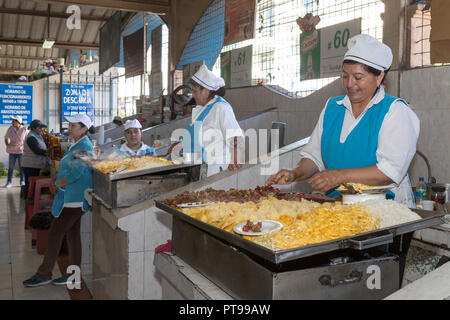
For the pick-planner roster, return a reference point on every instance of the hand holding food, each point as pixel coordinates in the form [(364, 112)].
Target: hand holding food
[(282, 177)]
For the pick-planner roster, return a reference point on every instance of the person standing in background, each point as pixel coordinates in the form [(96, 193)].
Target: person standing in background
[(34, 151), (14, 139)]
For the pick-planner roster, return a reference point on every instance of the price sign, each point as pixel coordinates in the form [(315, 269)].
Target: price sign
[(236, 67), (333, 46)]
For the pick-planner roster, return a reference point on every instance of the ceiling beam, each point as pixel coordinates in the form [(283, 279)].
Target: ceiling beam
[(24, 58), (16, 72), (45, 14), (58, 44), (123, 5)]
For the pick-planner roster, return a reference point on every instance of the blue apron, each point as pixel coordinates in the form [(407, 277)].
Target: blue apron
[(360, 147), (191, 138)]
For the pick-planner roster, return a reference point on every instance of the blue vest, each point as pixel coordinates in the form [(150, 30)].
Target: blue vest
[(191, 143), (360, 147)]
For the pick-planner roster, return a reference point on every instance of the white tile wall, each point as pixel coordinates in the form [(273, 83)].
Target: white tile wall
[(136, 276), (135, 225)]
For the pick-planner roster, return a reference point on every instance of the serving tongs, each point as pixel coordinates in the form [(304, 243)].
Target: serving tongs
[(350, 189), (194, 204)]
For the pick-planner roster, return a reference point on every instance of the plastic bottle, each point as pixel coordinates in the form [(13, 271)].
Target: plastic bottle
[(421, 192)]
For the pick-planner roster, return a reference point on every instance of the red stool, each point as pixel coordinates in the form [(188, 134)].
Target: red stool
[(39, 237), (30, 199)]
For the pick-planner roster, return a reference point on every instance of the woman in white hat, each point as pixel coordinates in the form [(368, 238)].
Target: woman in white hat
[(133, 145), (73, 177), (14, 139), (366, 136), (214, 133)]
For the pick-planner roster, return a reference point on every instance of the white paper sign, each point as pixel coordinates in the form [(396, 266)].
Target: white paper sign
[(333, 46), (241, 67)]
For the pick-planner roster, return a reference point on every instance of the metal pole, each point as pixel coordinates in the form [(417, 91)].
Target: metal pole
[(61, 100), (111, 98), (78, 90), (70, 94), (102, 100), (47, 102), (93, 111)]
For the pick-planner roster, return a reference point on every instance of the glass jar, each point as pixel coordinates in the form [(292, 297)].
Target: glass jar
[(438, 194)]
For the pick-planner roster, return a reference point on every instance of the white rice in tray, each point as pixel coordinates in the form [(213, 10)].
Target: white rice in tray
[(390, 212)]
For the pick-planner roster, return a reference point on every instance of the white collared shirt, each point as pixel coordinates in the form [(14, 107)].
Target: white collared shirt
[(397, 141), (221, 117), (130, 152)]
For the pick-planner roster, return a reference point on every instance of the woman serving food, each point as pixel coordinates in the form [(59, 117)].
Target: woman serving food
[(365, 136)]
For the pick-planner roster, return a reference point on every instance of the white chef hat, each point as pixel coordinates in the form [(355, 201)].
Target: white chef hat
[(132, 124), (367, 50), (207, 79), (80, 117)]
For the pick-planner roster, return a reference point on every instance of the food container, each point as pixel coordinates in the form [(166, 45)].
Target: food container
[(358, 198), (438, 192)]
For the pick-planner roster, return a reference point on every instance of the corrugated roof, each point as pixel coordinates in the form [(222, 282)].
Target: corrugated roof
[(18, 27)]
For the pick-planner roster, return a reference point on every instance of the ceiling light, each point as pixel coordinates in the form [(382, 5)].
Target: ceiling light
[(48, 44)]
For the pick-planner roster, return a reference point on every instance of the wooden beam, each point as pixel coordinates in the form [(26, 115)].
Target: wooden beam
[(58, 44), (24, 58), (123, 5), (16, 72), (52, 14), (126, 19)]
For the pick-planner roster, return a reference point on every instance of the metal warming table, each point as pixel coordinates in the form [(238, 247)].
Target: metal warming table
[(337, 269), (125, 189)]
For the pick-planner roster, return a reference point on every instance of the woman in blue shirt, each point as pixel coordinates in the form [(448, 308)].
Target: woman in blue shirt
[(366, 136), (73, 178)]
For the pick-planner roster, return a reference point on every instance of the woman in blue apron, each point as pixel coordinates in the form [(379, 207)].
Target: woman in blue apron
[(133, 145), (73, 178), (365, 136), (214, 135)]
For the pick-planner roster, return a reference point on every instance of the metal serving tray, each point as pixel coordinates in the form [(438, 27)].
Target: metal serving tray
[(123, 190), (142, 172), (359, 242)]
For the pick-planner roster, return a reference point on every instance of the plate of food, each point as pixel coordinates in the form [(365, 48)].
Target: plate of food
[(257, 227)]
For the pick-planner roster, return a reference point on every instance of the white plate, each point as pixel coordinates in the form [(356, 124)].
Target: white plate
[(267, 226), (194, 204)]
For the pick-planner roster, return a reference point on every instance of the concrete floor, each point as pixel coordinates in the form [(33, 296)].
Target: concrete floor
[(18, 261)]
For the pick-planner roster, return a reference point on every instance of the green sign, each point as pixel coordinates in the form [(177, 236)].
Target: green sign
[(310, 55)]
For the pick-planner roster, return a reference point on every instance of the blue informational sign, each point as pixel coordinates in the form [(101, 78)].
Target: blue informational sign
[(78, 98), (16, 100)]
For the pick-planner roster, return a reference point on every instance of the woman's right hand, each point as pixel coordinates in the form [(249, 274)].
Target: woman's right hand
[(53, 188), (282, 177)]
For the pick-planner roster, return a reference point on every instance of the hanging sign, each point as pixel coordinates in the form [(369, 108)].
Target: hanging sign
[(77, 98), (236, 67), (322, 50), (16, 100)]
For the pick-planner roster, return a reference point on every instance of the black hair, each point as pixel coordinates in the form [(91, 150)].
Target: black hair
[(91, 130), (369, 69), (220, 92)]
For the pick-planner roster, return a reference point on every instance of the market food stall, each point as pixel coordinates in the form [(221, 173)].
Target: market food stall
[(341, 267)]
